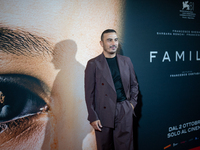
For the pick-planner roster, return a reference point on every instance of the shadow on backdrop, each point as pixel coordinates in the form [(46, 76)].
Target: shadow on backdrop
[(68, 118)]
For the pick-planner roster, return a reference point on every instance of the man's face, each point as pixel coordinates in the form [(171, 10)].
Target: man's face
[(110, 43), (41, 71)]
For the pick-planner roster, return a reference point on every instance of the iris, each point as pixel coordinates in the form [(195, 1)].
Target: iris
[(21, 96)]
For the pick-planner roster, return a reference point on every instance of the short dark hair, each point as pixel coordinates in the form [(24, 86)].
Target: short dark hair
[(107, 31)]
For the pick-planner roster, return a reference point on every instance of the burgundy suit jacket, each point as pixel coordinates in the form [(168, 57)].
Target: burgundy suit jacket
[(100, 94)]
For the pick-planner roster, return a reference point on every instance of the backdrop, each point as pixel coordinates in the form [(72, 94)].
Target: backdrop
[(162, 39), (45, 45)]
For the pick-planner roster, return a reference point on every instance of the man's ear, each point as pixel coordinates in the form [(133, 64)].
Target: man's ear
[(101, 43)]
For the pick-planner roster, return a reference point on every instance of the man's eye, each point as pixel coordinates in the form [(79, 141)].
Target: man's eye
[(17, 101)]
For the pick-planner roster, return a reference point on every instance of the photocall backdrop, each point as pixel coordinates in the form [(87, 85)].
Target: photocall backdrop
[(162, 40), (44, 48), (46, 45)]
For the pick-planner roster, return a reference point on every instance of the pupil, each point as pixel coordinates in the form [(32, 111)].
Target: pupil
[(12, 101)]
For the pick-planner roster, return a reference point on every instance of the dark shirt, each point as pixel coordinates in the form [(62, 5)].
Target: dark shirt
[(114, 68)]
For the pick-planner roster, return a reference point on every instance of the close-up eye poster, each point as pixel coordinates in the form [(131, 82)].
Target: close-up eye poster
[(44, 49)]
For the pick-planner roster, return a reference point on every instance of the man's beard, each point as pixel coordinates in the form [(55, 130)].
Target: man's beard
[(111, 52)]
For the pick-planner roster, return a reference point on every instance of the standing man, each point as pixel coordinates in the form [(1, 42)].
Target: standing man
[(111, 91)]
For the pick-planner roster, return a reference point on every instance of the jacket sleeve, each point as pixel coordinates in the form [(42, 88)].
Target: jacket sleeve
[(133, 85), (90, 82)]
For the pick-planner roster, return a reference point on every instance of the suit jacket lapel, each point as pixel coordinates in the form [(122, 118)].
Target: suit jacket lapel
[(124, 73), (105, 70)]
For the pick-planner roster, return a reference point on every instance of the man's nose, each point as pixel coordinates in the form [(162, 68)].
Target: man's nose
[(114, 42)]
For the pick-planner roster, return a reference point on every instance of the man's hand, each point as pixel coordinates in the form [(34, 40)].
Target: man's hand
[(96, 125), (132, 106)]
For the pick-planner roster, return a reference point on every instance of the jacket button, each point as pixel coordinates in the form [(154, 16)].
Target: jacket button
[(102, 83), (104, 107), (106, 95)]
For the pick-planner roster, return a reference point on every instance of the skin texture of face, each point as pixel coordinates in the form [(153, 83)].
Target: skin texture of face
[(109, 44), (64, 37)]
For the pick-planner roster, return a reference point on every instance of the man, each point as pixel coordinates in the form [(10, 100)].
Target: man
[(111, 93)]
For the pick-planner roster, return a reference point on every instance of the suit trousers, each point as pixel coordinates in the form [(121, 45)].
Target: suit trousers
[(121, 136)]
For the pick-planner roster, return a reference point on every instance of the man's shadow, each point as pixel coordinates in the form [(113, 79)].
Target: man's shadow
[(68, 117)]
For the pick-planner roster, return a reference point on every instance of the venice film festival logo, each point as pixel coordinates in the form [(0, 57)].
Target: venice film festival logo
[(187, 11)]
